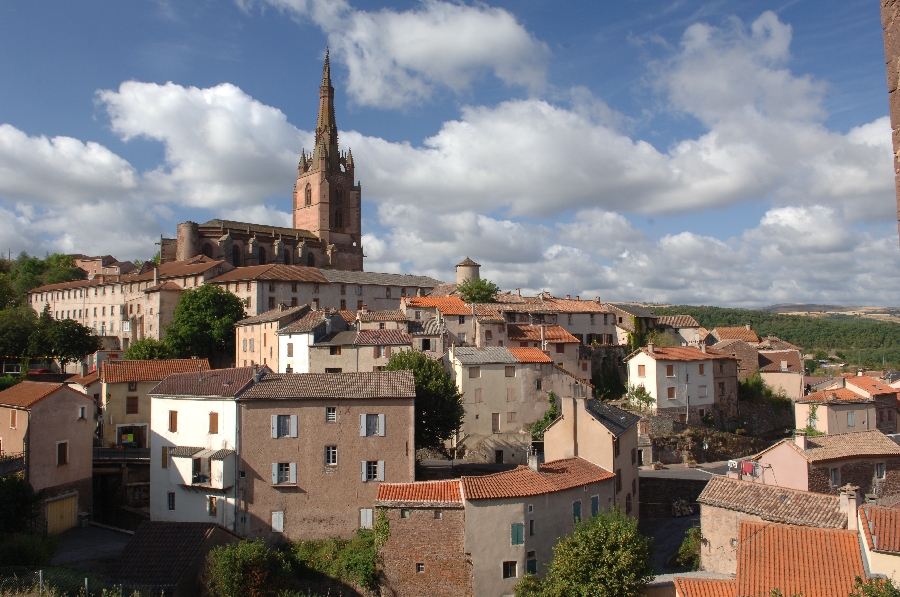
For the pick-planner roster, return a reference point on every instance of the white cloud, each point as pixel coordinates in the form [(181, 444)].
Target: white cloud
[(401, 58)]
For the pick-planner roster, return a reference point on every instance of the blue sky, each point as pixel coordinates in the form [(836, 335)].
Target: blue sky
[(724, 152)]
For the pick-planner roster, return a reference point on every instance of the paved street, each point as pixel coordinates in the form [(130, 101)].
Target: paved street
[(680, 471), (89, 548)]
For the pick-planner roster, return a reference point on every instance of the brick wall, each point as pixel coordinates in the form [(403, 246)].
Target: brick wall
[(439, 544), (857, 472)]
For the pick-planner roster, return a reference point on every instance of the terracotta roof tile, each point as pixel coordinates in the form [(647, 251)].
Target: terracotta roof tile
[(408, 281), (274, 315), (837, 395), (532, 333), (168, 286), (122, 371), (770, 361), (218, 382), (26, 393), (386, 315), (736, 333), (86, 380), (348, 316), (307, 323), (377, 384), (530, 355), (842, 445), (488, 314), (773, 503), (442, 290), (631, 309), (677, 321), (681, 353), (881, 527), (425, 493), (176, 269), (273, 271), (775, 343), (522, 481), (382, 338), (873, 386), (794, 559), (449, 305), (705, 587)]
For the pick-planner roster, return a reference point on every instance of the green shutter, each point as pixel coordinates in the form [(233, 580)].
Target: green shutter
[(517, 532)]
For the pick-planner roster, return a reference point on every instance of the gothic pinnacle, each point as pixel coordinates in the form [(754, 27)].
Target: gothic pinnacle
[(326, 71)]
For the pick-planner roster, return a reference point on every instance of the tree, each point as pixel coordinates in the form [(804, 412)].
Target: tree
[(16, 329), (875, 587), (70, 342), (606, 556), (21, 504), (689, 552), (640, 396), (148, 349), (8, 296), (439, 406), (476, 290), (537, 428), (203, 322)]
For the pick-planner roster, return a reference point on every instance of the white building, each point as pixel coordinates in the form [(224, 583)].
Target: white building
[(194, 430), (295, 339)]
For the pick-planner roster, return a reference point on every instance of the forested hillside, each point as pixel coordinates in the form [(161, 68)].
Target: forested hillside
[(858, 340)]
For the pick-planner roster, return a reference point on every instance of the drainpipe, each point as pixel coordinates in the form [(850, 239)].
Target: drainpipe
[(237, 461)]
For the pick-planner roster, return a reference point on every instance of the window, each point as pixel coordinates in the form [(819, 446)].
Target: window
[(670, 370), (284, 473), (371, 425), (213, 423), (576, 511), (835, 475), (132, 386), (331, 414), (701, 372), (560, 348), (879, 470), (618, 480), (510, 370), (278, 521), (721, 388), (438, 514), (670, 393), (495, 422), (595, 504), (420, 568), (62, 453), (462, 337), (722, 367), (634, 456), (173, 421), (517, 533), (333, 369), (334, 350), (212, 505), (382, 351), (330, 455), (271, 302), (851, 419), (13, 418), (634, 487), (642, 371), (404, 513), (165, 457), (616, 449), (462, 320), (509, 569), (531, 563), (539, 384), (252, 349), (244, 345), (372, 470), (510, 394), (131, 405), (316, 288), (290, 349), (488, 335), (628, 504), (701, 392), (171, 500), (284, 426), (592, 319), (702, 412), (511, 417), (479, 395), (531, 527)]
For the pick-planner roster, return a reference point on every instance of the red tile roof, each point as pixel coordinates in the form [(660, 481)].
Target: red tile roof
[(884, 532), (532, 333), (770, 361), (85, 381), (522, 481), (449, 305), (26, 393), (837, 395), (681, 353), (425, 493), (171, 286), (376, 384), (488, 314), (348, 316), (382, 338), (274, 315), (530, 355), (218, 382), (386, 315), (677, 321), (736, 333), (705, 587), (811, 561), (872, 386), (309, 322), (122, 371), (273, 271), (859, 444)]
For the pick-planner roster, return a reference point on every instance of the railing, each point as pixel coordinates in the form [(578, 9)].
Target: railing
[(12, 463), (123, 454), (55, 580)]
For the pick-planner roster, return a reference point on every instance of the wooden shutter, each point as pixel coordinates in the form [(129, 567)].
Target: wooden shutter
[(376, 352), (274, 473), (381, 470), (294, 426), (362, 427), (387, 351), (278, 522), (381, 425), (292, 472), (274, 426), (363, 472), (173, 420), (165, 457), (213, 423), (510, 394)]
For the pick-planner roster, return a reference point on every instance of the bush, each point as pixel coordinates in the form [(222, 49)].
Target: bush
[(689, 552), (21, 504), (537, 428), (28, 549), (9, 381), (352, 561), (246, 569)]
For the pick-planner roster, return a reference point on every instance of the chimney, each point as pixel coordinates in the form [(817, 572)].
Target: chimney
[(859, 373), (650, 347), (533, 460), (256, 374), (155, 276), (800, 438), (365, 309), (569, 297), (577, 298), (849, 504), (749, 327), (543, 337), (703, 347), (418, 292), (518, 292)]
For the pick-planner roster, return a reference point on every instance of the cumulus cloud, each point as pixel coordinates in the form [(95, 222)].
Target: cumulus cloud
[(400, 58)]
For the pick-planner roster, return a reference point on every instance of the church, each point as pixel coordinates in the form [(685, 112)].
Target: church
[(327, 213)]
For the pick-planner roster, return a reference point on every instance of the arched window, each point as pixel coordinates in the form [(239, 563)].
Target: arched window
[(308, 195), (262, 256), (310, 260), (338, 219), (236, 256), (207, 250), (339, 196)]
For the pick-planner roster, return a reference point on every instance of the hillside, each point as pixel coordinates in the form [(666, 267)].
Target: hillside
[(859, 340)]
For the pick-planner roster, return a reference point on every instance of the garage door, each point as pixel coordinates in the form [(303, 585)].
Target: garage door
[(62, 514)]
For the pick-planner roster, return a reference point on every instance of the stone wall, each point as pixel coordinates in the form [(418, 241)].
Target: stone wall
[(890, 20), (672, 449), (857, 472), (437, 544), (658, 493), (762, 419)]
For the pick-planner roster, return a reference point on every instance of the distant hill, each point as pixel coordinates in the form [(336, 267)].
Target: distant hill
[(802, 307)]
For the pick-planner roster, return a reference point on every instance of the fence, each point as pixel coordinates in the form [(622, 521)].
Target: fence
[(12, 463), (123, 454), (64, 582)]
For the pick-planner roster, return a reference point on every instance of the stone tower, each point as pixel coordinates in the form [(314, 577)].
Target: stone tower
[(327, 202), (467, 270)]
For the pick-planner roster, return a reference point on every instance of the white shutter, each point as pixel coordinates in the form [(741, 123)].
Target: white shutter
[(365, 518), (293, 425), (275, 426), (274, 473), (381, 470), (381, 425), (362, 425), (362, 476), (278, 522), (293, 473)]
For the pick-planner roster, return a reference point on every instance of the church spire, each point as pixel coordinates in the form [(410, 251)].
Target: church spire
[(326, 127), (326, 71)]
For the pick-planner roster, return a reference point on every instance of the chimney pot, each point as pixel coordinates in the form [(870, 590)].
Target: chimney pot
[(703, 348), (749, 327), (568, 297), (533, 460), (577, 298), (800, 439), (518, 292), (650, 347)]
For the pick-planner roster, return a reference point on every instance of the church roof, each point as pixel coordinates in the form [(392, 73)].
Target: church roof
[(402, 280), (258, 228)]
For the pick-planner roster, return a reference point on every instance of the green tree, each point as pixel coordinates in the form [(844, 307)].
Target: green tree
[(689, 552), (27, 272), (246, 569), (203, 323), (8, 296), (16, 329), (606, 556), (874, 587), (21, 504), (148, 349), (639, 396), (439, 405), (70, 342), (537, 428), (476, 290), (812, 365)]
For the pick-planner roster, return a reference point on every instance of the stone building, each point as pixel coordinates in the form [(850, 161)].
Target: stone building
[(327, 214)]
